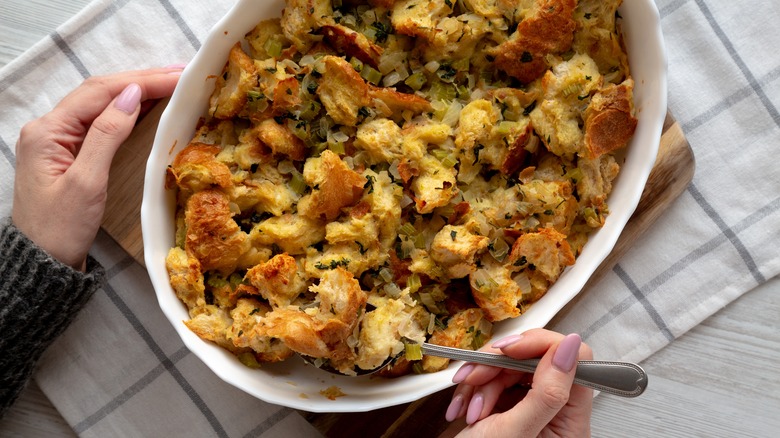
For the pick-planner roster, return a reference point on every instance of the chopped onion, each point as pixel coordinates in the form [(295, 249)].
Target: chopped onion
[(285, 167), (340, 136), (386, 274), (452, 115), (306, 60), (499, 249), (393, 170), (432, 66), (392, 289), (391, 79), (523, 282)]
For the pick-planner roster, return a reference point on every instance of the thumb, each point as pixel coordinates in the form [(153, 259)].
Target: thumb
[(108, 131), (550, 390)]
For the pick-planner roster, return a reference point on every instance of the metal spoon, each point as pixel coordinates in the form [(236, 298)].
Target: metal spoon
[(619, 378)]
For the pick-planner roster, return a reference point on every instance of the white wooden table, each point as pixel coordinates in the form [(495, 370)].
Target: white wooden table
[(720, 379)]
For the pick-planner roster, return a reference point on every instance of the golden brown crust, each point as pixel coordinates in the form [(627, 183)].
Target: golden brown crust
[(287, 96), (302, 17), (464, 330), (277, 280), (351, 43), (548, 30), (197, 168), (609, 120), (340, 187), (324, 332), (398, 102), (213, 237), (281, 140), (186, 277), (543, 255), (237, 78), (342, 91)]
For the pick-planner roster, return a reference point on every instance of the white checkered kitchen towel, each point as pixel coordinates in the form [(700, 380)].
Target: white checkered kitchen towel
[(121, 367)]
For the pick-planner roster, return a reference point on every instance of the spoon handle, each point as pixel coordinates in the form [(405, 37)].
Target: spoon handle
[(619, 378)]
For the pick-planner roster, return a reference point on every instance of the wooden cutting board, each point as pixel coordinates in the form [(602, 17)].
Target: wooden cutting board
[(670, 176)]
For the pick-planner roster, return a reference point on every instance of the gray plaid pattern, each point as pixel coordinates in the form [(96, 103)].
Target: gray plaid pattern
[(121, 370)]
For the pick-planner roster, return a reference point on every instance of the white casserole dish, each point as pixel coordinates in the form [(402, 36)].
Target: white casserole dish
[(297, 385)]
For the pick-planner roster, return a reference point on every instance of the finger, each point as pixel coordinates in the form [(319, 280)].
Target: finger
[(483, 400), (551, 388), (459, 403), (531, 344), (580, 404), (89, 100), (108, 131)]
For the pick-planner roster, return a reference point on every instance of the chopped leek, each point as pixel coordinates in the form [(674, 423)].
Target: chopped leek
[(416, 81), (461, 64), (392, 290), (441, 91), (574, 175), (413, 283), (337, 147), (440, 154), (413, 351), (408, 229), (273, 47), (310, 110), (505, 127), (371, 74), (297, 184), (356, 64), (449, 161), (419, 241), (248, 359)]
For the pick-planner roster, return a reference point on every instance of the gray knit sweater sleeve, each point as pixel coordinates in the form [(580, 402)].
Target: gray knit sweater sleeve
[(39, 297)]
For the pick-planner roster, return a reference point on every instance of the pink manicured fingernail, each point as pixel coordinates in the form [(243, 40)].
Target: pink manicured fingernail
[(566, 355), (129, 99), (179, 66), (475, 408), (463, 372), (454, 408), (507, 341)]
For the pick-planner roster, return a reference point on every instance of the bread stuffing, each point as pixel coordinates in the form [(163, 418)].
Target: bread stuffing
[(373, 175)]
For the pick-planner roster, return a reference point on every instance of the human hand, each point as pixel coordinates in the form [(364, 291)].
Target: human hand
[(63, 159), (552, 407)]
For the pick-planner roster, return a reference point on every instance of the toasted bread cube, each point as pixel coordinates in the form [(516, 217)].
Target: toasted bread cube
[(342, 91), (609, 119), (455, 248), (293, 233), (278, 280), (196, 168), (335, 186), (212, 234), (467, 329), (230, 92), (281, 140), (186, 277)]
